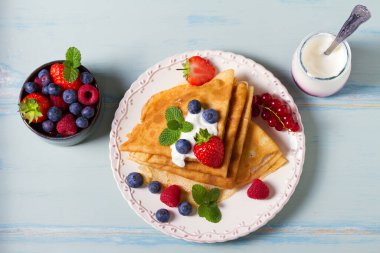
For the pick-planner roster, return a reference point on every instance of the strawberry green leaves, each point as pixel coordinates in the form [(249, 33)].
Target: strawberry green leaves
[(207, 201), (71, 64), (175, 125), (30, 110)]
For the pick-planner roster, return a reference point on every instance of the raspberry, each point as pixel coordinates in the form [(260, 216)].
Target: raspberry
[(58, 102), (66, 126), (88, 94), (171, 196), (258, 190)]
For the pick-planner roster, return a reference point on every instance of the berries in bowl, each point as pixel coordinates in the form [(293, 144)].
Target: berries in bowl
[(61, 101)]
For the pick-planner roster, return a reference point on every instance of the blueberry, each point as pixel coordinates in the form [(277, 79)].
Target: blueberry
[(86, 77), (162, 215), (54, 114), (54, 89), (185, 208), (43, 72), (134, 180), (183, 146), (154, 187), (81, 122), (45, 90), (45, 80), (69, 96), (48, 126), (30, 87), (194, 106), (210, 115), (88, 112), (75, 108)]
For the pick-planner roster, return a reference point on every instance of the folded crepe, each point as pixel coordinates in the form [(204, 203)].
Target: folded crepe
[(259, 159), (215, 94), (238, 105)]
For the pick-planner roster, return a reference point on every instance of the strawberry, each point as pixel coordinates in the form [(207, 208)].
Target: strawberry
[(34, 107), (56, 71), (209, 149), (258, 190), (198, 70), (171, 196)]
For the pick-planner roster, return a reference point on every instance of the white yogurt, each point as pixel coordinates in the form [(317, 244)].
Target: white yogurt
[(319, 74), (198, 123)]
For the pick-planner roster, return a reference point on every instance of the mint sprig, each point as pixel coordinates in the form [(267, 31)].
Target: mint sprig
[(207, 201), (71, 64), (175, 125)]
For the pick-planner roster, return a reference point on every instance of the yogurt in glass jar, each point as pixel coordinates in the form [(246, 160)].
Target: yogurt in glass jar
[(318, 74)]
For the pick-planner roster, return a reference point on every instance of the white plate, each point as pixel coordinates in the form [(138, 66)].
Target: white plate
[(241, 215)]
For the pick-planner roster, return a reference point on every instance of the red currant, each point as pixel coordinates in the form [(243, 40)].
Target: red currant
[(289, 123), (279, 126), (265, 114), (255, 110), (275, 103), (282, 110), (266, 99), (296, 127), (272, 121), (257, 100)]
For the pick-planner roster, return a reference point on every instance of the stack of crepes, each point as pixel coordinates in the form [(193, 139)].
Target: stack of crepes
[(249, 152)]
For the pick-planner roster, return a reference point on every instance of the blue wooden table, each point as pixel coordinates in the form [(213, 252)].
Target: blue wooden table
[(55, 199)]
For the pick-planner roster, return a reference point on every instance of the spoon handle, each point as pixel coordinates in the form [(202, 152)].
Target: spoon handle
[(359, 15)]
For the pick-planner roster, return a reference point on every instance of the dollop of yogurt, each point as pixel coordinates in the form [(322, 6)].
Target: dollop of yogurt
[(198, 123)]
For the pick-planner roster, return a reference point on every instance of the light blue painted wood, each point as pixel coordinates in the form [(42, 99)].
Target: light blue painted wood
[(65, 199)]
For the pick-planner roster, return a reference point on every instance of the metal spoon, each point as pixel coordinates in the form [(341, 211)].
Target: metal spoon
[(359, 15)]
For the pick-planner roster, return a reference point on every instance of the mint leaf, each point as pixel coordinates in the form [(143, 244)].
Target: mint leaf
[(73, 55), (213, 195), (70, 74), (198, 192), (213, 213), (187, 127), (174, 125), (67, 64), (173, 113), (203, 211), (168, 137)]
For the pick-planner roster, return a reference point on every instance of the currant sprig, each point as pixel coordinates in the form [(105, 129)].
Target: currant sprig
[(276, 112)]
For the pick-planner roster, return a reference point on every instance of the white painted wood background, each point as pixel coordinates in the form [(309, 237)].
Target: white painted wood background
[(55, 199)]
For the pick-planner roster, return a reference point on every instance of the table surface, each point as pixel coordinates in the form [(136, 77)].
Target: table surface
[(64, 199)]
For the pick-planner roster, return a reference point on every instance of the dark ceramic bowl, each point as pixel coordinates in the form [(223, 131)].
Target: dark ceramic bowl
[(82, 133)]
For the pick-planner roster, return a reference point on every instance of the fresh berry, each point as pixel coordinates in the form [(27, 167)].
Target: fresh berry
[(255, 110), (44, 76), (282, 110), (210, 116), (198, 70), (194, 106), (88, 112), (58, 102), (258, 190), (56, 71), (272, 121), (275, 103), (75, 108), (38, 82), (183, 146), (154, 187), (86, 77), (289, 123), (88, 94), (48, 126), (66, 126), (185, 208), (266, 99), (81, 122), (171, 196), (296, 127), (209, 149), (54, 113), (134, 180), (54, 89), (279, 126), (69, 96), (265, 114), (45, 90), (163, 215), (43, 72), (30, 87), (34, 107)]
